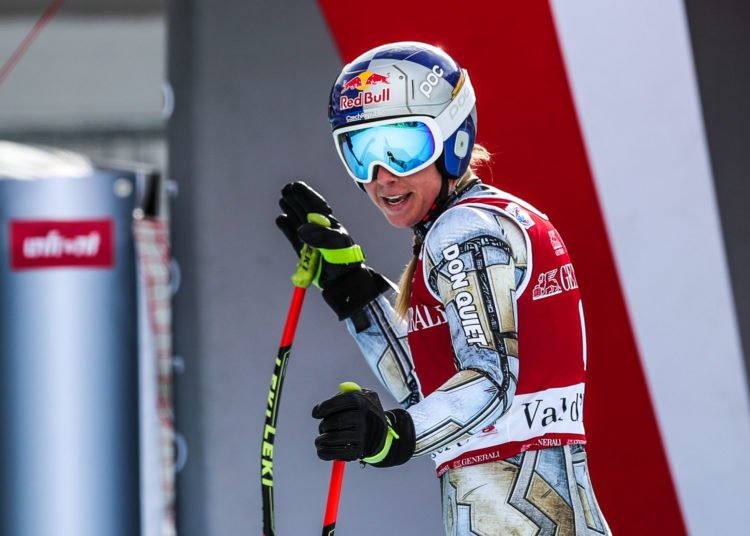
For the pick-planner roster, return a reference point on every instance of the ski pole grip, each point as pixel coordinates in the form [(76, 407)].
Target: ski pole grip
[(309, 257), (348, 387), (337, 477)]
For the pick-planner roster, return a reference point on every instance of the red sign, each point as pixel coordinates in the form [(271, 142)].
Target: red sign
[(52, 244)]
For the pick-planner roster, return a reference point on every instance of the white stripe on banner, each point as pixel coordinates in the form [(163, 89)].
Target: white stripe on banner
[(631, 71)]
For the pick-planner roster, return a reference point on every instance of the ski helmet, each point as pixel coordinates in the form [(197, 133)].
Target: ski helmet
[(403, 106)]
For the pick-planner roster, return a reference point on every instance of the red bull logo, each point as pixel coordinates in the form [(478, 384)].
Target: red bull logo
[(364, 80), (364, 98), (352, 83), (363, 83)]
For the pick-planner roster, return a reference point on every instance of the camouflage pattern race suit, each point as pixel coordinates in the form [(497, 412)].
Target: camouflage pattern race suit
[(490, 363)]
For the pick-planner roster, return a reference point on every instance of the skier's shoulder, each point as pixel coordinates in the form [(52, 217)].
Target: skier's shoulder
[(493, 198), (463, 223)]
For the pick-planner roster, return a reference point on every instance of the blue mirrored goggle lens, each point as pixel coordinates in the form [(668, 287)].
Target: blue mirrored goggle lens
[(400, 146)]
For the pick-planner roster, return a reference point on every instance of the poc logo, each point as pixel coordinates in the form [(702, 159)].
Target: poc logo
[(431, 81)]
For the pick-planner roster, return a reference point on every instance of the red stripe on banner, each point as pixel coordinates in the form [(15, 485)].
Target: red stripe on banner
[(528, 120)]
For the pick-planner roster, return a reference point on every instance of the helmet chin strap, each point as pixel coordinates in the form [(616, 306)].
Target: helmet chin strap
[(437, 207)]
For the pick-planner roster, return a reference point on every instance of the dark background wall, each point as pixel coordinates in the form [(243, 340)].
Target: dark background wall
[(721, 49)]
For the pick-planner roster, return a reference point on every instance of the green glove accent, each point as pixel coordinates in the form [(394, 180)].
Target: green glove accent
[(390, 435), (348, 255), (308, 267)]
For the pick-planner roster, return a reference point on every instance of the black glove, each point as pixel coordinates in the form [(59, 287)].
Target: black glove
[(346, 282), (354, 427)]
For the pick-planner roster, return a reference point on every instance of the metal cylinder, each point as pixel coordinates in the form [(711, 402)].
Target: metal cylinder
[(69, 461)]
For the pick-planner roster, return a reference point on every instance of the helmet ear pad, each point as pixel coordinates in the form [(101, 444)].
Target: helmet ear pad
[(457, 150)]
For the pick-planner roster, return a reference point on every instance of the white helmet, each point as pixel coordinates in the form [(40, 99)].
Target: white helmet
[(403, 106)]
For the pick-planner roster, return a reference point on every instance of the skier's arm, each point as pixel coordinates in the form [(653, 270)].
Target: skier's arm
[(381, 336), (492, 255), (473, 260)]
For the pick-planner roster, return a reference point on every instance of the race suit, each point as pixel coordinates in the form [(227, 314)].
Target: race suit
[(505, 429)]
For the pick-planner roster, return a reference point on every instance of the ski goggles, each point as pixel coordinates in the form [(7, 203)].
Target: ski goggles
[(403, 145)]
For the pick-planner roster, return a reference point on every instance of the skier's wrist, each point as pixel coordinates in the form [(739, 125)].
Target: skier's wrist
[(402, 442), (352, 291)]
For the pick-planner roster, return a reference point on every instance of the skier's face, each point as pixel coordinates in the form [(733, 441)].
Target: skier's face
[(404, 200)]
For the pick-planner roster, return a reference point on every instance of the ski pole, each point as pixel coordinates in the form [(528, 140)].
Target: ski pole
[(307, 268), (337, 478)]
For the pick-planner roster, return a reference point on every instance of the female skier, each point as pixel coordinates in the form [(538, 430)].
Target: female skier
[(485, 348)]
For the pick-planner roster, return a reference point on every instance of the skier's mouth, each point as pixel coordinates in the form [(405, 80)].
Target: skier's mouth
[(395, 200)]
